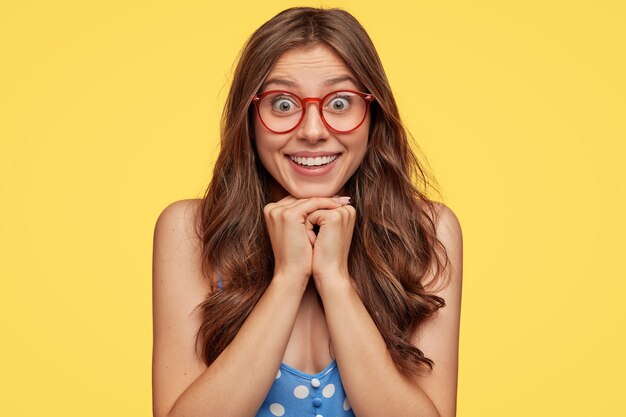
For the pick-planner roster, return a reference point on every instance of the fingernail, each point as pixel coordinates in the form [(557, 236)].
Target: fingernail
[(342, 200)]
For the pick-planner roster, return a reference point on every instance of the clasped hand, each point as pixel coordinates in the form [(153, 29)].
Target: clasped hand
[(298, 251)]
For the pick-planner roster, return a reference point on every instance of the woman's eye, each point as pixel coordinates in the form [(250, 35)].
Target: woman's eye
[(283, 104), (340, 103)]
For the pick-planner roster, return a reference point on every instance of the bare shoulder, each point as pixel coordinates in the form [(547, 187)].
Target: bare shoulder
[(178, 287), (177, 249), (449, 233), (179, 213), (448, 227), (438, 337)]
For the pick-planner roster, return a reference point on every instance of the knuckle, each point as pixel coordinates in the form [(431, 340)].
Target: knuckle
[(276, 214), (287, 215), (334, 216)]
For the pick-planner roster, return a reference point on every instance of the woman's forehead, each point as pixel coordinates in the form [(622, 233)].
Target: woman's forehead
[(343, 81), (319, 66)]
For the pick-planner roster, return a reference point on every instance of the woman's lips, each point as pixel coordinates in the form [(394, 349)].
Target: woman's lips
[(312, 171)]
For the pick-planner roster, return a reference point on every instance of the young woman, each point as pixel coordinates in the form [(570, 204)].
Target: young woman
[(314, 278)]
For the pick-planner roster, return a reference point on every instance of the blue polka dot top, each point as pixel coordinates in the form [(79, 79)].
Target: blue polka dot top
[(298, 394)]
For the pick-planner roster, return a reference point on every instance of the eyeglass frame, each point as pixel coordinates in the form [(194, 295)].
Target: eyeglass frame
[(368, 97)]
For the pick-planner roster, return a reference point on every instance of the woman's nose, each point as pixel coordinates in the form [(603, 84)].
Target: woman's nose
[(312, 126)]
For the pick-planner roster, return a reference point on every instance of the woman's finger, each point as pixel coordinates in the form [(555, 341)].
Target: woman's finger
[(324, 216), (288, 200), (309, 205), (312, 236), (280, 204)]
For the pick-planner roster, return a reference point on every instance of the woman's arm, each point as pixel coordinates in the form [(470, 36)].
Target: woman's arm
[(239, 379), (371, 380)]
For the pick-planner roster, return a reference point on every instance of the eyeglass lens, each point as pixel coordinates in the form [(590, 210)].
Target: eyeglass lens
[(342, 111)]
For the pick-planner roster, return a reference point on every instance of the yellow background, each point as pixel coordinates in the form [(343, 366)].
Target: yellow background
[(109, 112)]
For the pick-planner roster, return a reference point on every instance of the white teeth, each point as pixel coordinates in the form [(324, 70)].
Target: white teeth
[(317, 161)]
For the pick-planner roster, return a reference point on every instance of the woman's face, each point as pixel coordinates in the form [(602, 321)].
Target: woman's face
[(307, 73)]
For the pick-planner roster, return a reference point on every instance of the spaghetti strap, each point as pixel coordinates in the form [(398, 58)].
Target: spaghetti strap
[(219, 280)]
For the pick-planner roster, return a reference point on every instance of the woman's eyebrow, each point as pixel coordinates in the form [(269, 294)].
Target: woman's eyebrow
[(288, 83), (279, 81), (342, 78)]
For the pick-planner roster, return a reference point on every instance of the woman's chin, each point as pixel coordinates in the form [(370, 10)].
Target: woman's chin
[(302, 191), (312, 193)]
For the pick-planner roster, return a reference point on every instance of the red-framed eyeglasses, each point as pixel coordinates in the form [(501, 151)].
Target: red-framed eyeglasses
[(342, 111)]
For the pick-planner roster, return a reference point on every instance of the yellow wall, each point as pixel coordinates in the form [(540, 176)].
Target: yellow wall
[(109, 112)]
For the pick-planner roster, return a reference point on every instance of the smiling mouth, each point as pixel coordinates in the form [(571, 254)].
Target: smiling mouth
[(313, 162)]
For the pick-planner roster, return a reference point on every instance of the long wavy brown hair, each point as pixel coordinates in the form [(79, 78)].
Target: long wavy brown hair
[(394, 249)]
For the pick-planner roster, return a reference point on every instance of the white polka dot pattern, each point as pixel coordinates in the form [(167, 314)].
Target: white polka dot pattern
[(277, 409), (298, 394), (301, 392)]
